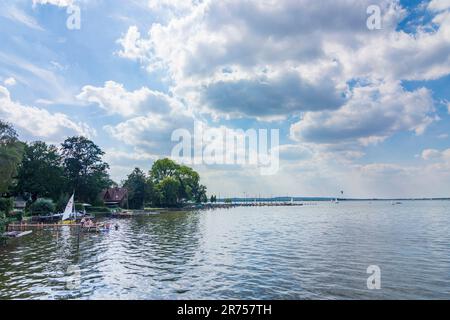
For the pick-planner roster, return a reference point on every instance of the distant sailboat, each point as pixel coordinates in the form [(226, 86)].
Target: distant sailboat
[(337, 200)]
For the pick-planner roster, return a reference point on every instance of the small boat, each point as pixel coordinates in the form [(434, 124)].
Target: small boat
[(17, 234)]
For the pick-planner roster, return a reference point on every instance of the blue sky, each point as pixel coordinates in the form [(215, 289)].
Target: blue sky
[(359, 110)]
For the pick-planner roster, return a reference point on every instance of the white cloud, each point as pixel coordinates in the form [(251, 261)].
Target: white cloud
[(133, 46), (372, 114), (265, 59), (9, 82), (261, 59), (429, 154), (39, 123), (115, 99), (433, 154), (59, 3), (439, 5), (153, 115)]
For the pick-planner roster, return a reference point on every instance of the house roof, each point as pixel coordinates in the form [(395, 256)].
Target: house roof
[(115, 194)]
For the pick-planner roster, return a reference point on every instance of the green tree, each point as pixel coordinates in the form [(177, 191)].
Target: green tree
[(11, 151), (167, 192), (188, 182), (6, 205), (138, 189), (84, 168), (41, 173), (162, 169), (42, 207)]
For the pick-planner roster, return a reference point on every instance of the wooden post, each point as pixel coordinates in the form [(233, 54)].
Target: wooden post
[(78, 240)]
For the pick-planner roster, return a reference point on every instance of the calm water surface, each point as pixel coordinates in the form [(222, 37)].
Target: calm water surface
[(318, 251)]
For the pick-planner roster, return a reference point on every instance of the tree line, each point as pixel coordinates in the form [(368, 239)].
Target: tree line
[(38, 170)]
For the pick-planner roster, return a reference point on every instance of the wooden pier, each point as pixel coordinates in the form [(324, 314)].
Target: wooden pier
[(25, 226)]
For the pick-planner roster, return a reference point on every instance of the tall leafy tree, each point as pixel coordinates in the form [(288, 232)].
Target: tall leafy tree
[(84, 168), (167, 192), (11, 152), (41, 172), (138, 189), (187, 182)]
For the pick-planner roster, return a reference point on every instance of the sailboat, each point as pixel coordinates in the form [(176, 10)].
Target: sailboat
[(69, 212), (337, 200)]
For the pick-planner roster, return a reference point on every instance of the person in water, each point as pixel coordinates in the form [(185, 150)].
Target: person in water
[(89, 224)]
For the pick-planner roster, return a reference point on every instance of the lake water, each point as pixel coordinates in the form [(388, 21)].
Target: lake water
[(318, 251)]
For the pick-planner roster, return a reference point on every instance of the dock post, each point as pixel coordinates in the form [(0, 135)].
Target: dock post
[(78, 238)]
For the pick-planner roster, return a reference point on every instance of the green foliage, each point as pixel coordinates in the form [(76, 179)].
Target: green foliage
[(62, 202), (41, 172), (182, 178), (84, 168), (6, 205), (139, 190), (213, 199), (167, 192), (42, 207), (98, 209), (11, 151)]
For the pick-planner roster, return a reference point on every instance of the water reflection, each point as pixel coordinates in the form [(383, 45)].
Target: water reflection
[(319, 252)]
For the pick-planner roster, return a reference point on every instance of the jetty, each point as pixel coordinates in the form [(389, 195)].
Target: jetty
[(245, 204), (24, 226)]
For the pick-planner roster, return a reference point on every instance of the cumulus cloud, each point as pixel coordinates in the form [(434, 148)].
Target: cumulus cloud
[(115, 99), (153, 115), (372, 114), (255, 58), (272, 58), (39, 122), (288, 59), (133, 46)]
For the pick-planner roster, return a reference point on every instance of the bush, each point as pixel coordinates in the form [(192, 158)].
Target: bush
[(6, 205), (2, 216), (42, 207), (98, 202)]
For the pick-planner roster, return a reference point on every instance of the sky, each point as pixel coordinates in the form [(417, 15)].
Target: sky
[(358, 109)]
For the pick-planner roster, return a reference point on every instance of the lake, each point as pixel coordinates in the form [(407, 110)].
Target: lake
[(318, 251)]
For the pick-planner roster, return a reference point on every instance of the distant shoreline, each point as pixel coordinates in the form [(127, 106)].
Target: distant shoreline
[(296, 199)]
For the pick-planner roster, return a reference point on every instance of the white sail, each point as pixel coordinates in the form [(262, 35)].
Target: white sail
[(69, 209)]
